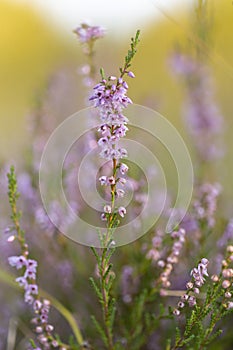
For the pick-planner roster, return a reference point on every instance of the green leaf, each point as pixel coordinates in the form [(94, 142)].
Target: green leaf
[(96, 254), (96, 289), (102, 73), (177, 336), (100, 330), (107, 272), (110, 282)]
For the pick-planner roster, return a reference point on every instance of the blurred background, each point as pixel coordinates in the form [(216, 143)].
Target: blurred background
[(41, 84), (37, 41)]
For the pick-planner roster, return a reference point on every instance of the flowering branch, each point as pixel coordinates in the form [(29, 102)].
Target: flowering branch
[(110, 98), (28, 280), (9, 280), (200, 326), (87, 36)]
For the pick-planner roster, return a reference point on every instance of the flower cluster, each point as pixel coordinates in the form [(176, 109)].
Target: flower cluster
[(193, 287), (202, 115), (154, 254), (206, 203), (226, 278), (200, 272), (110, 98), (172, 259), (87, 33), (27, 281), (41, 307), (28, 278), (87, 36)]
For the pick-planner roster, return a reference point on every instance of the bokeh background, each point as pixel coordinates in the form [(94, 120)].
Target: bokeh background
[(40, 59), (37, 42)]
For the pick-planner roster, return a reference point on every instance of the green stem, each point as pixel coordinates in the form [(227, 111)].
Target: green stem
[(105, 300)]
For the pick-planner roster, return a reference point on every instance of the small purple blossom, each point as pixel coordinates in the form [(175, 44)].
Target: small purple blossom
[(198, 279), (122, 211), (22, 281), (17, 261), (206, 203), (123, 168), (131, 74), (107, 209), (28, 298), (87, 33), (111, 180), (167, 265), (200, 272), (120, 193), (192, 301), (11, 238)]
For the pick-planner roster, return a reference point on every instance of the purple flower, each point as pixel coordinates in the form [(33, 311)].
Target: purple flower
[(107, 209), (87, 33), (172, 259), (17, 261), (30, 274), (200, 272), (120, 193), (37, 305), (123, 168), (103, 217), (111, 180), (122, 180), (22, 281), (32, 265), (131, 74), (122, 211), (28, 298), (32, 288), (206, 204), (192, 301)]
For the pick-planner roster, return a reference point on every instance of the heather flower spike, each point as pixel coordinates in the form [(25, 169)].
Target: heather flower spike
[(110, 98), (28, 277), (87, 33), (198, 275)]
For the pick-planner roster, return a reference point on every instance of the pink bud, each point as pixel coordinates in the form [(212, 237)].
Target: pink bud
[(107, 209), (131, 75), (122, 211)]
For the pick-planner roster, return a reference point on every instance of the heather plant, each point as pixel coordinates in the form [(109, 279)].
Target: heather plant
[(166, 290), (110, 98)]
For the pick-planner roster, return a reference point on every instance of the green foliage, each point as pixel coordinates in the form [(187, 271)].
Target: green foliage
[(100, 330), (73, 344), (103, 291), (131, 53), (32, 343), (200, 327), (13, 196)]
